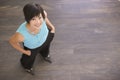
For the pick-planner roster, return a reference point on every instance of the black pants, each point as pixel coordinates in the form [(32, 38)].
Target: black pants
[(28, 61)]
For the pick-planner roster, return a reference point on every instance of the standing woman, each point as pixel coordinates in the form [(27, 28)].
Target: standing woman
[(36, 34)]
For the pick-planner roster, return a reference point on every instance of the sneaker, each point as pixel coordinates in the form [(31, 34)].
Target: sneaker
[(48, 59), (30, 71)]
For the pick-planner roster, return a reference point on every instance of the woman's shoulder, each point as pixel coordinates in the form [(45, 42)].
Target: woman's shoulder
[(22, 26)]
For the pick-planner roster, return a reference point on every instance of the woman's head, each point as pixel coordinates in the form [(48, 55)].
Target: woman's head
[(32, 10)]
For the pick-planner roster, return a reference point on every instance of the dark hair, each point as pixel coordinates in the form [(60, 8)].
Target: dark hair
[(32, 10)]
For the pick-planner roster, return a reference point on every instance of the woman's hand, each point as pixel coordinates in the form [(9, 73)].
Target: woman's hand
[(52, 31), (28, 52)]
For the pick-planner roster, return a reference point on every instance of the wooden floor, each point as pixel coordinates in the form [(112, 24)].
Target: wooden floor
[(86, 44)]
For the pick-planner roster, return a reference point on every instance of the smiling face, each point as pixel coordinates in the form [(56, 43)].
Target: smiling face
[(36, 22), (34, 14)]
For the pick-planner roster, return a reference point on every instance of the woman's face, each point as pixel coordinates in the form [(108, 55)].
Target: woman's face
[(36, 22)]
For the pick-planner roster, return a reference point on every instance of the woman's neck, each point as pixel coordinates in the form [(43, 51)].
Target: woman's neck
[(32, 30)]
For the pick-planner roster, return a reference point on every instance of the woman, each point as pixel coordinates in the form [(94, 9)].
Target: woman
[(36, 34)]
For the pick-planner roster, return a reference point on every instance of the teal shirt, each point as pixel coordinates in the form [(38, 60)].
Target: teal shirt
[(33, 41)]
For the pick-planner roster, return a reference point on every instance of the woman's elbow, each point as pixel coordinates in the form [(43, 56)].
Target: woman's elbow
[(10, 41)]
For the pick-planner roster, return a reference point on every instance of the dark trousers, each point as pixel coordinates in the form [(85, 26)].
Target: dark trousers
[(28, 61)]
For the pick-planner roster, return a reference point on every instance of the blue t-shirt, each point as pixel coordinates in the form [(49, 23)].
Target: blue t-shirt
[(33, 41)]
